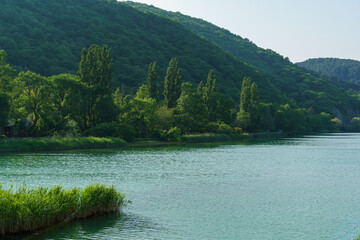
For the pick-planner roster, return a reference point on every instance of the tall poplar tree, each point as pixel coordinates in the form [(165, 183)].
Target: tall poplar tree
[(254, 111), (209, 89), (95, 71), (244, 116), (172, 85), (152, 81)]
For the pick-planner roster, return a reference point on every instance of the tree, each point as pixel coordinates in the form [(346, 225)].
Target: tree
[(209, 89), (172, 86), (70, 98), (254, 110), (152, 81), (30, 97), (95, 71), (244, 116), (190, 114), (7, 74), (4, 109), (3, 58)]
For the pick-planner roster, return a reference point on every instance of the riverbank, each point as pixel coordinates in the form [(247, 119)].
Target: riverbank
[(58, 143), (209, 137), (72, 143), (28, 210)]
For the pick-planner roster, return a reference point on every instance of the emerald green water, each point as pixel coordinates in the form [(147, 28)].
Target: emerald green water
[(303, 188)]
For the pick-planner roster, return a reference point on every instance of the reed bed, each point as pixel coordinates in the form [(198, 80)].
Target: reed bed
[(27, 210)]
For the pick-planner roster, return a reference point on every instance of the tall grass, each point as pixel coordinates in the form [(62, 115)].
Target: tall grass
[(25, 210), (58, 143)]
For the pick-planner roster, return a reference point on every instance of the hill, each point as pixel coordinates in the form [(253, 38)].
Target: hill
[(47, 37), (300, 86), (342, 69)]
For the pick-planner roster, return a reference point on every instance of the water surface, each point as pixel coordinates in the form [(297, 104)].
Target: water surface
[(302, 188)]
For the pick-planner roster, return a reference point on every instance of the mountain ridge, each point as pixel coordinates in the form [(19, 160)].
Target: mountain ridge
[(343, 69)]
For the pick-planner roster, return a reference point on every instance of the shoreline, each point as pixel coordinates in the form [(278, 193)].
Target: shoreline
[(78, 143)]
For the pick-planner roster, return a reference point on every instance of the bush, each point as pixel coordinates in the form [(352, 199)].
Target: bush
[(112, 129), (3, 138), (220, 127), (238, 130), (224, 128), (171, 135)]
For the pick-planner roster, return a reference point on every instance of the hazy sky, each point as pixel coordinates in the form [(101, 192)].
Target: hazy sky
[(298, 29)]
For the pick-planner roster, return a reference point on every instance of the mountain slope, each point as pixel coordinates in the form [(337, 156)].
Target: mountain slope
[(300, 86), (342, 69), (47, 37)]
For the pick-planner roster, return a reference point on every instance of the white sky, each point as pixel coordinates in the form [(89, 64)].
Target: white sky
[(298, 29)]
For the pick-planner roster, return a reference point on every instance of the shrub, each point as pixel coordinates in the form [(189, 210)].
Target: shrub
[(219, 127), (171, 135), (3, 138), (238, 130), (112, 129)]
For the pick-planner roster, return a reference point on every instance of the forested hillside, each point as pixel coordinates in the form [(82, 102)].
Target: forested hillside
[(104, 68), (342, 69), (300, 86), (46, 37)]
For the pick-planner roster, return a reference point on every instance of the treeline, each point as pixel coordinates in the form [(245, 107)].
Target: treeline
[(85, 104)]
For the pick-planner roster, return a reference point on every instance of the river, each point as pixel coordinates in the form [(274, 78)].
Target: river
[(297, 188)]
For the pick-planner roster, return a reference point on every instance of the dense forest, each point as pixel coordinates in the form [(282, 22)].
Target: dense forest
[(301, 87), (342, 69), (103, 68), (46, 37)]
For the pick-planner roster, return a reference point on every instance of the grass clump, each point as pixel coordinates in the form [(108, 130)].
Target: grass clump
[(26, 210)]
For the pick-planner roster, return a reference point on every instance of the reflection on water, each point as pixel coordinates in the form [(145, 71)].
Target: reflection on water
[(297, 188)]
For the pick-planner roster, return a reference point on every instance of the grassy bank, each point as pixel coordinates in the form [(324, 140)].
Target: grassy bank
[(57, 143), (202, 138), (68, 143), (26, 210)]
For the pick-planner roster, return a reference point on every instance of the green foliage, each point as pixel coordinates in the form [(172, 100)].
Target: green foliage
[(47, 36), (152, 81), (3, 58), (7, 73), (95, 71), (4, 109), (140, 114), (164, 118), (355, 124), (26, 210), (30, 99), (172, 86), (222, 128), (343, 69), (307, 90), (244, 116), (190, 114), (112, 129), (291, 121)]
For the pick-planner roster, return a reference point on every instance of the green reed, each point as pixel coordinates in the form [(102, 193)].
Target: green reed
[(25, 210)]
